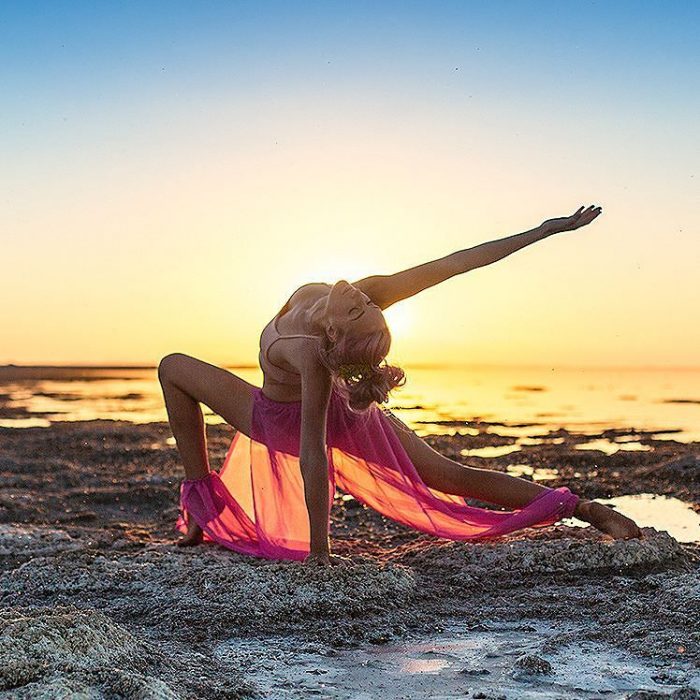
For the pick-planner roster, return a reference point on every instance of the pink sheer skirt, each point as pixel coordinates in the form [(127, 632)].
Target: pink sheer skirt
[(255, 503)]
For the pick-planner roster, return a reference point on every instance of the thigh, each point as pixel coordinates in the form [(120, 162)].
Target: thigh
[(227, 394), (436, 470)]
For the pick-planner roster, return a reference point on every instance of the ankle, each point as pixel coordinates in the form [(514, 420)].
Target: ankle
[(583, 510)]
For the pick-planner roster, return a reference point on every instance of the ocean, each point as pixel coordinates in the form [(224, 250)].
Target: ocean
[(517, 408), (549, 398)]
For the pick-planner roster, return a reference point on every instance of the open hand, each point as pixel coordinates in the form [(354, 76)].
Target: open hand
[(579, 218)]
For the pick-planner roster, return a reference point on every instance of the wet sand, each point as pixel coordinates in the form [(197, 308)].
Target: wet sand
[(96, 598)]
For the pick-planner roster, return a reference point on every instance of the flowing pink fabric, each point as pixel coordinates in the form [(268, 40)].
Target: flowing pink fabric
[(255, 504)]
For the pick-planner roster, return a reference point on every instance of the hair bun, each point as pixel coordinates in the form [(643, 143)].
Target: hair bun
[(373, 386), (347, 371), (354, 362)]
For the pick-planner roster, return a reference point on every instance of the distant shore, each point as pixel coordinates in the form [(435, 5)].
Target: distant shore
[(9, 370)]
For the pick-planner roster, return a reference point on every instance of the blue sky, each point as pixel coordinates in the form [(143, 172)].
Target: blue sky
[(133, 131), (87, 53)]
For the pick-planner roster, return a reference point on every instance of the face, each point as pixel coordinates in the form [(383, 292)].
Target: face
[(349, 308)]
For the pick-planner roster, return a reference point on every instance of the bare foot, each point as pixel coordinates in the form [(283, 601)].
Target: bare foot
[(194, 535), (609, 521)]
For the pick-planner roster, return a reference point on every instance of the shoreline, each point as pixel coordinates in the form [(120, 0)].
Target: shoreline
[(87, 557)]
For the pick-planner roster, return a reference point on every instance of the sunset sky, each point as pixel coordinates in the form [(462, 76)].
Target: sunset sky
[(171, 172)]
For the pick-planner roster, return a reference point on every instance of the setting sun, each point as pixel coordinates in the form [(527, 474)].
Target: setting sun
[(399, 318)]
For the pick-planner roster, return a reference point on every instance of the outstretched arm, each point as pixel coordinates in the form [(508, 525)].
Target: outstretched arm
[(385, 290)]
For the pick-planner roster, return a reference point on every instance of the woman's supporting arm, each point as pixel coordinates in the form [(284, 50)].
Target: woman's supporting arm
[(315, 476), (313, 460)]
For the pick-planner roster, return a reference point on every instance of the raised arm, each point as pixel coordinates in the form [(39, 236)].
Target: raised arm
[(385, 290), (313, 458)]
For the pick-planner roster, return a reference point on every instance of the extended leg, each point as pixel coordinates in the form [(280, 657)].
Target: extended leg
[(446, 475)]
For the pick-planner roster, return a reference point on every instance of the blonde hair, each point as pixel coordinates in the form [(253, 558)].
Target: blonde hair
[(355, 364)]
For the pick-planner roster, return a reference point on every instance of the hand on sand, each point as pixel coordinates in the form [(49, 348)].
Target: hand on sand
[(194, 535), (609, 521), (579, 218), (324, 559)]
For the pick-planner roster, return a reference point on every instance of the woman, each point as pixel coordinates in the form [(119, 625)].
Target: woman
[(316, 424)]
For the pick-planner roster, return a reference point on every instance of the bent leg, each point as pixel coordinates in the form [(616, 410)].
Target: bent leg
[(187, 381)]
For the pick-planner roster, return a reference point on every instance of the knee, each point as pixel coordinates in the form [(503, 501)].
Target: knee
[(168, 365)]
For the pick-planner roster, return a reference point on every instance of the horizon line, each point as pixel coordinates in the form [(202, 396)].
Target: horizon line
[(419, 365)]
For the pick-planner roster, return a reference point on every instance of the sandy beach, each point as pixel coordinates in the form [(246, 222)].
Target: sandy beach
[(97, 601)]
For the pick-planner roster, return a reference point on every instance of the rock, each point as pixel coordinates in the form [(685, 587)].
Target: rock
[(217, 591), (686, 468), (465, 563), (529, 663), (66, 652), (21, 542)]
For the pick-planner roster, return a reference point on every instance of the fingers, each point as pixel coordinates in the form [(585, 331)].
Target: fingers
[(588, 214)]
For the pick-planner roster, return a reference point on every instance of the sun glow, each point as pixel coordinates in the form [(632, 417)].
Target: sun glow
[(331, 270), (178, 214), (399, 319)]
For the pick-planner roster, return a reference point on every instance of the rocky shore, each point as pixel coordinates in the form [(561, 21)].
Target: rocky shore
[(97, 601)]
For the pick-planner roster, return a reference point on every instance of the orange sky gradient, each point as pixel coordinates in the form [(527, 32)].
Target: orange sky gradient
[(167, 211)]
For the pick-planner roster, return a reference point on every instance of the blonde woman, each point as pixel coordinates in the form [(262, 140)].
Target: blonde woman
[(317, 424)]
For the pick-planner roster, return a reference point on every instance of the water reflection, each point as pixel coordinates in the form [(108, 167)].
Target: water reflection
[(654, 400), (652, 510), (537, 473), (520, 430), (611, 448), (25, 423), (440, 429), (490, 451), (541, 441), (409, 665)]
